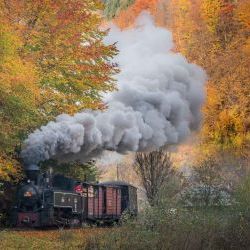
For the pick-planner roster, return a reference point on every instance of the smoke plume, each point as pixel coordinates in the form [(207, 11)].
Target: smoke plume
[(158, 102)]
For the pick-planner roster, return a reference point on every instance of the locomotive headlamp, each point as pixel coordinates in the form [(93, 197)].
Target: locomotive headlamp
[(27, 194)]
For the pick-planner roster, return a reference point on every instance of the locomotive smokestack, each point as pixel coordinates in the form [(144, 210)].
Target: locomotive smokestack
[(32, 172)]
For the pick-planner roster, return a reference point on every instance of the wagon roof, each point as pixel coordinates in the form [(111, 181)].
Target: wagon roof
[(115, 183)]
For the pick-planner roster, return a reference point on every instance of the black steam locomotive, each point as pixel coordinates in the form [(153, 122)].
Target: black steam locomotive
[(53, 200)]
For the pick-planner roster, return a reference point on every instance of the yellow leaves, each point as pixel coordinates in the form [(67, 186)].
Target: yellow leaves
[(45, 69), (230, 121), (230, 129), (214, 34), (9, 169), (19, 97), (210, 13), (54, 45), (127, 16), (15, 71), (185, 6), (213, 98), (183, 25), (9, 41), (242, 13), (246, 47)]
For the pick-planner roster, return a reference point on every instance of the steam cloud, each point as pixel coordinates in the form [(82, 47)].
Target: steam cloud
[(158, 103)]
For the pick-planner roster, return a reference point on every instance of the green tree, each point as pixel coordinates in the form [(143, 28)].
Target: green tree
[(112, 7), (62, 38), (52, 61), (76, 170)]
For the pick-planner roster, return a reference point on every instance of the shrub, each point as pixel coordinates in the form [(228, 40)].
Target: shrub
[(170, 225), (204, 195)]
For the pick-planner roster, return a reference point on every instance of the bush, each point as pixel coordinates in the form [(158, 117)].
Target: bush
[(178, 228), (204, 195), (170, 225)]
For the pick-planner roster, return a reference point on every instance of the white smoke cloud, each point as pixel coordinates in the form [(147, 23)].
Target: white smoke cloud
[(158, 102)]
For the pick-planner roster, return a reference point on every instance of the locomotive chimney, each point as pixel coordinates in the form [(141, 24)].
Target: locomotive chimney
[(32, 172)]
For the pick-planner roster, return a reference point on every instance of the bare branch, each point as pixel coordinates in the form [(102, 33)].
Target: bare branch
[(154, 169)]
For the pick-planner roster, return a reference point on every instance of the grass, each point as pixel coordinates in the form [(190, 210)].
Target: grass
[(48, 239), (157, 228), (192, 229)]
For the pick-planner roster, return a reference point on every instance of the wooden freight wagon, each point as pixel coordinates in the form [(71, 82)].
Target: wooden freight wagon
[(102, 202), (127, 196)]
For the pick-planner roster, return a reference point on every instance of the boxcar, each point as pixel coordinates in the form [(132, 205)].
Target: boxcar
[(102, 202), (128, 194)]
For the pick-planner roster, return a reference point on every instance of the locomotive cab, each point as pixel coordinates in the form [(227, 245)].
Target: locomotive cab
[(29, 198), (29, 202)]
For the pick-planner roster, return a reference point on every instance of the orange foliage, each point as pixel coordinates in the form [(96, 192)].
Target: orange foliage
[(61, 38), (127, 17), (52, 60), (243, 12), (215, 35)]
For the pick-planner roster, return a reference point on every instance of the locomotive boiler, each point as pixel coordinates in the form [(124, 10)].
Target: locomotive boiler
[(47, 199)]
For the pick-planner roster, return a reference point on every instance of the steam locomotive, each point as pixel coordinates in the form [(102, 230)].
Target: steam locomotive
[(48, 199)]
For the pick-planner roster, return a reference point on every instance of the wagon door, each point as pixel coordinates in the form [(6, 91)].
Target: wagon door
[(113, 202), (104, 201), (109, 201), (118, 203), (97, 202), (124, 198), (100, 202)]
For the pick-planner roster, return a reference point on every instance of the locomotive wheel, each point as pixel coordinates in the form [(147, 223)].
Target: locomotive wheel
[(74, 222), (60, 226), (61, 223), (85, 224)]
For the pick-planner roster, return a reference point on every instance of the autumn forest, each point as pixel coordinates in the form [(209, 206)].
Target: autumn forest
[(53, 60)]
